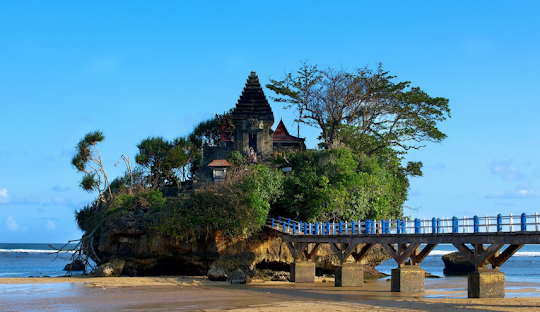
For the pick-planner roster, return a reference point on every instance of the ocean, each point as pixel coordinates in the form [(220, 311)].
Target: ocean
[(33, 260), (39, 260)]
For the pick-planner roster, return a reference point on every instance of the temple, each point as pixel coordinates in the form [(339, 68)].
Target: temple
[(250, 133)]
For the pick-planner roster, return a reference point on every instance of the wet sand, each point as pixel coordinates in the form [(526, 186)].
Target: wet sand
[(199, 294)]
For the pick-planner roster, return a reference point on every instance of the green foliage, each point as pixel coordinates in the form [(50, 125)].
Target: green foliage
[(147, 199), (162, 159), (89, 182), (332, 185), (240, 205), (88, 217), (84, 152), (206, 132), (235, 158), (88, 161)]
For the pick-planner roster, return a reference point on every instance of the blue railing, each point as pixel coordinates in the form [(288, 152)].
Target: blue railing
[(475, 224)]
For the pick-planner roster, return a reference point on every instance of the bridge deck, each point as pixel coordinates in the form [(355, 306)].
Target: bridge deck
[(526, 237)]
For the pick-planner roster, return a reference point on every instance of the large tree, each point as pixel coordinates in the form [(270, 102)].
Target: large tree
[(333, 185), (163, 159), (385, 113)]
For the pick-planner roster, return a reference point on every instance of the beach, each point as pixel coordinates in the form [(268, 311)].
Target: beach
[(178, 293)]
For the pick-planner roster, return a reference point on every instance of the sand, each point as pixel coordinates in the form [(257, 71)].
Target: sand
[(199, 294)]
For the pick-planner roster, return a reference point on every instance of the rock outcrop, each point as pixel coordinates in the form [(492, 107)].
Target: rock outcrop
[(76, 265), (212, 255), (238, 277), (456, 264), (112, 268)]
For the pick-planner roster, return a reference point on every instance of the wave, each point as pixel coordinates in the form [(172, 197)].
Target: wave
[(34, 251), (517, 254)]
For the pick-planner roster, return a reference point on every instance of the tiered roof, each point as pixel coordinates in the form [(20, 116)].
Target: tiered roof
[(282, 135), (252, 102)]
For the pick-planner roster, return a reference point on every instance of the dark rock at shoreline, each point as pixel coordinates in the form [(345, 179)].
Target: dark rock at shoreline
[(370, 272), (112, 268), (76, 265), (223, 267), (457, 264), (429, 275), (238, 277)]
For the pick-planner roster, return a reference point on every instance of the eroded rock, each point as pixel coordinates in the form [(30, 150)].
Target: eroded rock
[(457, 264), (76, 265), (238, 277), (223, 267), (112, 268)]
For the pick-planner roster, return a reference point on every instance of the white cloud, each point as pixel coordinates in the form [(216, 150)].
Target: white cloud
[(523, 190), (49, 225), (4, 197), (504, 168), (11, 224)]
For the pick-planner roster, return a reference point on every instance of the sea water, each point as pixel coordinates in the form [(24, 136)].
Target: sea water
[(33, 260), (24, 260), (523, 266)]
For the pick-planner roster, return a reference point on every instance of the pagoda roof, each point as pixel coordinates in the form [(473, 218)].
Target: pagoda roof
[(282, 134), (252, 102), (219, 163)]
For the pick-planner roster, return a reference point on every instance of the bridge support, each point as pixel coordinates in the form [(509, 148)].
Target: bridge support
[(486, 284), (483, 283), (408, 277), (302, 271), (350, 274)]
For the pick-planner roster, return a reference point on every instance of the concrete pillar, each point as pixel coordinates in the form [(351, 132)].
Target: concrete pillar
[(486, 284), (408, 278), (303, 272), (349, 274)]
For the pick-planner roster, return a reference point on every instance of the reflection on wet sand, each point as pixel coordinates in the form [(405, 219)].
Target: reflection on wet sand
[(196, 293)]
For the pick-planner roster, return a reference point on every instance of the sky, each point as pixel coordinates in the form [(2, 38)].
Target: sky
[(134, 69)]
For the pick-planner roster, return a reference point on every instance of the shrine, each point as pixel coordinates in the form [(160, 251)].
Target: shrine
[(250, 132)]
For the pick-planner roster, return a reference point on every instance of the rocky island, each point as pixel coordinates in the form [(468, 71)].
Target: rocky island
[(197, 205)]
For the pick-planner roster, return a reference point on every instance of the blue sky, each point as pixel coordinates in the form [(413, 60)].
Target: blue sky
[(137, 69)]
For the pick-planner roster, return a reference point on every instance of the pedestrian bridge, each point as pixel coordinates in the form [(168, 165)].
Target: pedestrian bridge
[(490, 240)]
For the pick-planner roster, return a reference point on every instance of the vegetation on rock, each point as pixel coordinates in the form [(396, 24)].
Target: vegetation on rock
[(367, 124)]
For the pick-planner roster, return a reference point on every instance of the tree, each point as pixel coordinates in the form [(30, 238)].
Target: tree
[(206, 132), (334, 185), (88, 161), (236, 159), (238, 206), (163, 159), (388, 114)]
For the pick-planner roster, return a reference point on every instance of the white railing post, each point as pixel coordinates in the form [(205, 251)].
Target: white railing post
[(511, 224), (536, 220)]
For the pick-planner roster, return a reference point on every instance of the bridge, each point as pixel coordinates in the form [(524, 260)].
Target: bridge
[(485, 241)]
